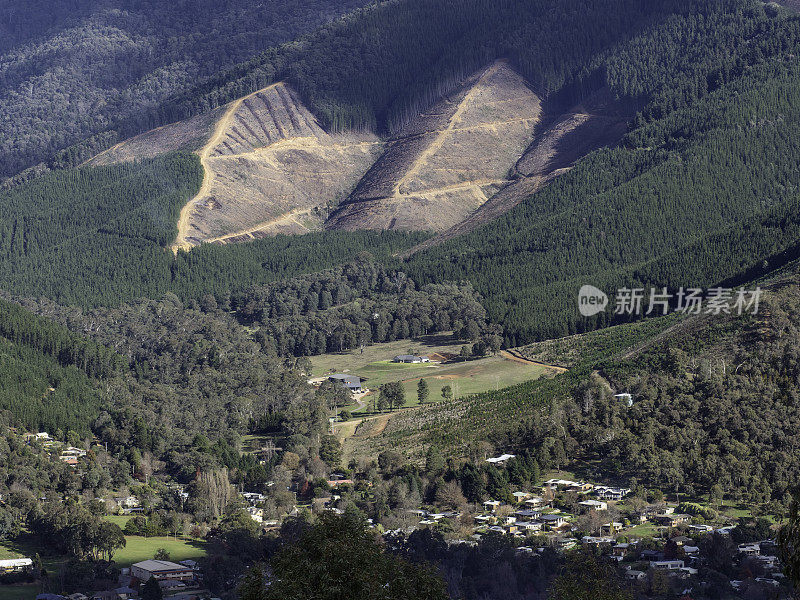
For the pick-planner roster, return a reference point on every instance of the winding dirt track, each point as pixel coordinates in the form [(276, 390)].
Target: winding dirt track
[(220, 131), (516, 357)]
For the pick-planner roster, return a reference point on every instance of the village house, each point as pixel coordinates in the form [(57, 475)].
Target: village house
[(672, 520), (753, 549), (528, 514), (534, 501), (127, 502), (410, 358), (125, 593), (491, 505), (611, 493), (172, 585), (351, 382), (594, 505), (634, 575), (611, 528), (619, 551), (566, 543), (681, 540), (253, 498), (520, 497), (597, 541), (553, 522), (581, 488), (485, 519), (257, 514), (335, 483), (563, 484), (667, 565), (626, 399), (502, 459)]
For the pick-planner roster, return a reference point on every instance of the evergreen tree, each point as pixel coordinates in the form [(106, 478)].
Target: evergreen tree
[(151, 590), (422, 391)]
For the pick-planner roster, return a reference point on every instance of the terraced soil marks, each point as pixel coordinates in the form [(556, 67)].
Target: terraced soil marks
[(270, 168), (559, 143), (450, 160)]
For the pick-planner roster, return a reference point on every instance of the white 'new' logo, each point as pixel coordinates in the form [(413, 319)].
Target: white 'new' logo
[(591, 301)]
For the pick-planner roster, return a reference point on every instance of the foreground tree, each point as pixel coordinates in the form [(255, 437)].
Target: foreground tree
[(422, 391), (587, 577), (339, 559), (789, 541), (151, 590)]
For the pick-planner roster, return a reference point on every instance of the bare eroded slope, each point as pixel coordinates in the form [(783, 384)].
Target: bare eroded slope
[(450, 160), (560, 141), (270, 168)]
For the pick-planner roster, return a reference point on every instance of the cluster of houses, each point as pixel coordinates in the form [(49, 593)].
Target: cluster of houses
[(69, 455)]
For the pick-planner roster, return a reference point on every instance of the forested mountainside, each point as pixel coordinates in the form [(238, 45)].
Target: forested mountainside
[(701, 190), (154, 359), (380, 66), (50, 375), (374, 69), (98, 236), (714, 403), (73, 69), (716, 87)]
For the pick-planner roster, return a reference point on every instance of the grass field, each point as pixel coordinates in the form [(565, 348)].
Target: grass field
[(19, 592), (375, 366), (140, 548), (645, 530), (120, 520), (7, 553), (351, 360)]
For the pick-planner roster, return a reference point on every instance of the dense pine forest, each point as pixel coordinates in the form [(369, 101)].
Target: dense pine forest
[(50, 376), (98, 236)]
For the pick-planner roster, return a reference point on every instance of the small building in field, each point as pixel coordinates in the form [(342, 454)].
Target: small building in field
[(351, 382), (410, 359)]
